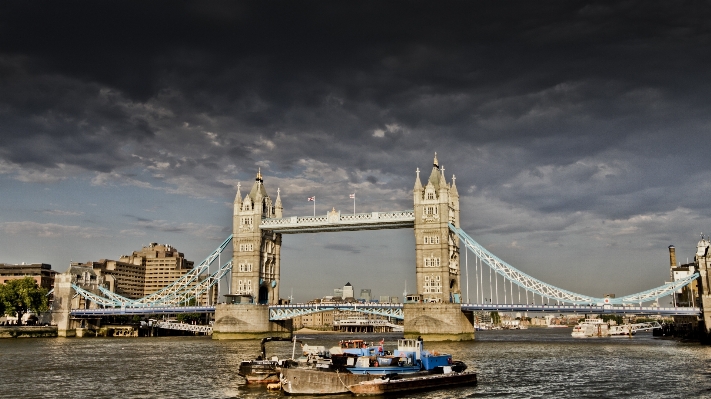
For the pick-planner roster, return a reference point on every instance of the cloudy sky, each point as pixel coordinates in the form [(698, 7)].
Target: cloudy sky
[(578, 131)]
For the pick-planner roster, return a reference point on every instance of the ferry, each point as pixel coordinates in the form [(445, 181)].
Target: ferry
[(598, 328), (591, 328)]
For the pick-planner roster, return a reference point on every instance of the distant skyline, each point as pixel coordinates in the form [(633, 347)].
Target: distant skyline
[(578, 131)]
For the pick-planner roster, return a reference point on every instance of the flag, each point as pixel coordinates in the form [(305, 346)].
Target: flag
[(352, 195), (312, 198)]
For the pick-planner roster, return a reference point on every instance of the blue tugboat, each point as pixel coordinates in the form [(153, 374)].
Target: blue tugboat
[(410, 357)]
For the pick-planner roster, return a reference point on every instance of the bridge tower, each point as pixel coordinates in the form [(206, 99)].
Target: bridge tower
[(256, 258), (255, 252), (703, 265), (439, 315), (436, 247)]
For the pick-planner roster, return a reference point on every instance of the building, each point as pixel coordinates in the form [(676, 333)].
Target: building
[(42, 273), (365, 294), (255, 252), (142, 273), (163, 265), (348, 291), (685, 296), (125, 279), (436, 205)]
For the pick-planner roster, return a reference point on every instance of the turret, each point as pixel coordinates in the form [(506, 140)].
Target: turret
[(278, 208)]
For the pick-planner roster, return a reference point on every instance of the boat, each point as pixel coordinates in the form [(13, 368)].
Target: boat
[(410, 359), (385, 385), (263, 370), (598, 328), (590, 328)]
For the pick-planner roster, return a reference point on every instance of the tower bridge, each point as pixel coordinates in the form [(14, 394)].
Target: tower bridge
[(438, 313)]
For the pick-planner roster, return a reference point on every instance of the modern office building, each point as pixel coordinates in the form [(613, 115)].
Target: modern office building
[(42, 273), (143, 272)]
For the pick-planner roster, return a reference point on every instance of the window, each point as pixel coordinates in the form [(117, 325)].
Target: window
[(430, 195), (431, 239), (432, 261), (430, 210), (246, 247), (246, 220)]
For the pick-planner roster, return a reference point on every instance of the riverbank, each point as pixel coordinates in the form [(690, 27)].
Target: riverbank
[(28, 331)]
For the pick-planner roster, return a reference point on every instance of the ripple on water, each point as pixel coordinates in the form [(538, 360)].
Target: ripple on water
[(534, 363)]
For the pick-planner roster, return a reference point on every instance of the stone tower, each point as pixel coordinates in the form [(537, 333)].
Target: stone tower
[(256, 252), (436, 247), (703, 265)]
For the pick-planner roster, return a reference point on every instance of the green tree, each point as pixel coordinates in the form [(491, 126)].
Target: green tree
[(21, 296), (495, 318)]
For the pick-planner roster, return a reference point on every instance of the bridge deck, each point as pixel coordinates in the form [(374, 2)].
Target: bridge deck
[(395, 310), (335, 221)]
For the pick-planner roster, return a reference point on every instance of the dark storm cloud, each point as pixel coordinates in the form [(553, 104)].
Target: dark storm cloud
[(553, 106)]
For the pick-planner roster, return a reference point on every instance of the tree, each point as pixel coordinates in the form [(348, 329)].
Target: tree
[(495, 318), (20, 296)]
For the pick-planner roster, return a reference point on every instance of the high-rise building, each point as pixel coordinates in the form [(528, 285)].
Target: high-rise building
[(348, 291), (144, 272), (163, 265), (365, 294)]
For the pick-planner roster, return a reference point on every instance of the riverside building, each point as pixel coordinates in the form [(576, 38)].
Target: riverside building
[(144, 272), (42, 273)]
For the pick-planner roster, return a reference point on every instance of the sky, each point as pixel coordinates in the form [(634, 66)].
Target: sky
[(578, 131)]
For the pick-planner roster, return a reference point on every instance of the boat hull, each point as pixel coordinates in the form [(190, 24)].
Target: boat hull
[(435, 381), (299, 381), (259, 372)]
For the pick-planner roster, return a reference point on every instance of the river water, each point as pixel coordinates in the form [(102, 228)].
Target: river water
[(534, 363)]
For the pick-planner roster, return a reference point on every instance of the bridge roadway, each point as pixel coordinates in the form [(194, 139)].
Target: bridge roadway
[(334, 221), (394, 310)]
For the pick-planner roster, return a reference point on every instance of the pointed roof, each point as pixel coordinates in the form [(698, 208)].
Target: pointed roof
[(238, 197), (258, 187), (453, 190), (418, 185), (348, 284), (278, 198)]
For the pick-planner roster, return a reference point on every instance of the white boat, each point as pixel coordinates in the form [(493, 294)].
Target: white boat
[(591, 328)]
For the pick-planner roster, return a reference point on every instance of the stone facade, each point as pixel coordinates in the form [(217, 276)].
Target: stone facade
[(436, 204), (438, 322), (256, 252), (703, 264)]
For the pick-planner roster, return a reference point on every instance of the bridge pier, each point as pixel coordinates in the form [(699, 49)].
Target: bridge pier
[(438, 322), (66, 327), (247, 321)]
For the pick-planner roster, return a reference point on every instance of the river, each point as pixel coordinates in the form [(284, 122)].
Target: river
[(534, 363)]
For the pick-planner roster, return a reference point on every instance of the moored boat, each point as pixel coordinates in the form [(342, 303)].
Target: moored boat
[(262, 370), (409, 360), (380, 386)]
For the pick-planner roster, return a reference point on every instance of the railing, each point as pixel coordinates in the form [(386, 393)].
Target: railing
[(334, 220), (184, 327)]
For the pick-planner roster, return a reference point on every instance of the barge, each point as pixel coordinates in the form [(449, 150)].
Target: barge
[(381, 386)]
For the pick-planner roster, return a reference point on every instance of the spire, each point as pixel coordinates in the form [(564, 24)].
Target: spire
[(259, 175), (238, 197), (453, 190), (442, 178), (418, 185), (436, 163), (278, 208)]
